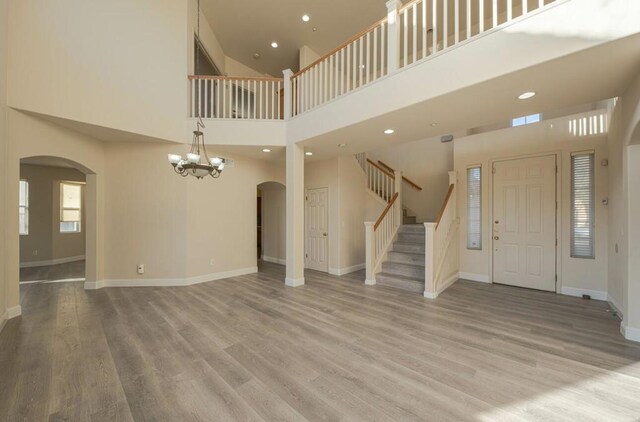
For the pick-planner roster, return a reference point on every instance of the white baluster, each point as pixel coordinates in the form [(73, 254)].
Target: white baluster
[(414, 32), (405, 28), (434, 22), (374, 65), (368, 64), (469, 18), (494, 13), (481, 16), (445, 24), (456, 25), (424, 28), (525, 7)]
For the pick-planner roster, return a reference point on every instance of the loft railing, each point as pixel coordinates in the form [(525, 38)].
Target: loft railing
[(221, 97), (357, 62), (441, 245), (409, 34)]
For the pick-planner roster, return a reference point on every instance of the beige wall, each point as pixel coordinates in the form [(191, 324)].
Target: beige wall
[(274, 222), (44, 241), (412, 159), (3, 159), (178, 227), (347, 209), (546, 137), (98, 58), (624, 266)]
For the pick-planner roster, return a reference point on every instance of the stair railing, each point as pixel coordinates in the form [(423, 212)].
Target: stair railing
[(379, 235), (361, 158), (380, 181), (441, 245)]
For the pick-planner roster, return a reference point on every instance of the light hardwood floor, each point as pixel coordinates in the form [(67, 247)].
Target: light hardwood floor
[(248, 348)]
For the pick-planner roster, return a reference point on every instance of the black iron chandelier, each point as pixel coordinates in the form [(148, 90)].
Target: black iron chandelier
[(197, 163)]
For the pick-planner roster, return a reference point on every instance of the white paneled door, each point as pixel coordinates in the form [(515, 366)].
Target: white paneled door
[(524, 222), (317, 230)]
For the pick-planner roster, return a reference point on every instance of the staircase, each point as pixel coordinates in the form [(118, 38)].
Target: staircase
[(404, 267)]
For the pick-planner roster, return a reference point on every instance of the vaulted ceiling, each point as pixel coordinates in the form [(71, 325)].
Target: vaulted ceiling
[(246, 27)]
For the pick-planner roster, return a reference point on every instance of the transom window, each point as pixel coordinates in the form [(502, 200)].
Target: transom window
[(526, 120)]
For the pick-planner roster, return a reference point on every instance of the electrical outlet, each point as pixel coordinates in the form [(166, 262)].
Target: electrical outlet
[(140, 268), (35, 252), (211, 262)]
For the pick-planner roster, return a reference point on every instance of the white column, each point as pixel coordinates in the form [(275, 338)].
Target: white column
[(287, 93), (295, 216), (370, 278), (398, 189), (393, 35), (429, 261)]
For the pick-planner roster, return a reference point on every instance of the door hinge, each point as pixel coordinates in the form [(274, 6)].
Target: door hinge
[(306, 255), (556, 278), (493, 170)]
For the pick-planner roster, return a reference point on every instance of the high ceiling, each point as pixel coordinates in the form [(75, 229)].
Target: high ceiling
[(246, 27)]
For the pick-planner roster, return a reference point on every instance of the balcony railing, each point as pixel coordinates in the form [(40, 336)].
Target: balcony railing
[(218, 97), (409, 34)]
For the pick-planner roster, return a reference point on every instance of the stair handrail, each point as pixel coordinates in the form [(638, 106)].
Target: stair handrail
[(385, 211), (410, 182), (382, 169), (379, 235), (441, 245)]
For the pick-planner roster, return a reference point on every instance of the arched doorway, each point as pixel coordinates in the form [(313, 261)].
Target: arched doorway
[(57, 221), (271, 222)]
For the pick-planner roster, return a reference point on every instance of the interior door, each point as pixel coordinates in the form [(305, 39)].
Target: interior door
[(317, 229), (524, 222)]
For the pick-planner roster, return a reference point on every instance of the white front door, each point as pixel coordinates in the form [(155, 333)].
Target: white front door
[(524, 222), (317, 229)]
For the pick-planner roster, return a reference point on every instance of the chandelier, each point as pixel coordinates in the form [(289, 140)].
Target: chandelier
[(197, 163)]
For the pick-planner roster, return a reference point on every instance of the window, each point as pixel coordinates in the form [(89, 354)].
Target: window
[(70, 207), (582, 205), (526, 120), (474, 208), (24, 207)]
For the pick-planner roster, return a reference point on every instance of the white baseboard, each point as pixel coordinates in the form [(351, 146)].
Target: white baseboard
[(482, 278), (595, 294), (616, 307), (48, 262), (294, 282), (346, 270), (14, 311), (630, 333), (274, 260), (168, 282), (444, 286)]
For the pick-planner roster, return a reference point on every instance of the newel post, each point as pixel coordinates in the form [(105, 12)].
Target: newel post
[(393, 35), (398, 189), (429, 261), (453, 179), (370, 278), (287, 93)]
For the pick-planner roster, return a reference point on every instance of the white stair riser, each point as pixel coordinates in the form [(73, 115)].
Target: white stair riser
[(408, 247), (406, 258), (403, 269)]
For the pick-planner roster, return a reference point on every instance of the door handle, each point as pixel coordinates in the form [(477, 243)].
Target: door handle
[(324, 234), (496, 237)]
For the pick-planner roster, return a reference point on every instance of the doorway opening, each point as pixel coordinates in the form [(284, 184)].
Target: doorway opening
[(52, 221), (271, 223)]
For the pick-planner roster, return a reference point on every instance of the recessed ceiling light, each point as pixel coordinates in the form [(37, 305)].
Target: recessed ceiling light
[(308, 153), (526, 95), (315, 29), (266, 150), (389, 131), (305, 18), (434, 124), (274, 44), (342, 145), (256, 56)]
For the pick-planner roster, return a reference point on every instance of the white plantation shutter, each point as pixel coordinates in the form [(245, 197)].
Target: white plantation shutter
[(70, 207), (474, 210), (582, 205)]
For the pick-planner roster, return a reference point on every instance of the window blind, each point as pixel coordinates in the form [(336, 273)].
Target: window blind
[(582, 205), (474, 208)]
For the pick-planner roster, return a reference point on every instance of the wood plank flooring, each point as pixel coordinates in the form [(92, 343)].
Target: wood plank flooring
[(67, 271), (248, 348)]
